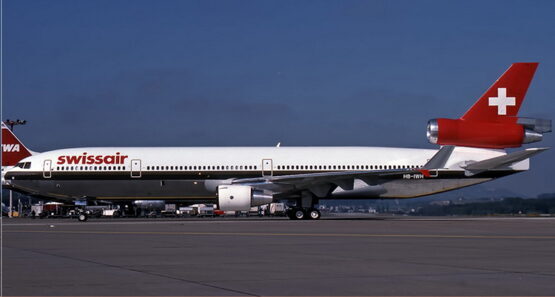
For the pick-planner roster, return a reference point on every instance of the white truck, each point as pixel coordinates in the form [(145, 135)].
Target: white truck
[(277, 209)]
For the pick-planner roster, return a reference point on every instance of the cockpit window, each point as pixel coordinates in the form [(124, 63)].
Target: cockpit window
[(23, 165)]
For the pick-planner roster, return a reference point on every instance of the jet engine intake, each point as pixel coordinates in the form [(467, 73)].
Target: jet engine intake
[(240, 198)]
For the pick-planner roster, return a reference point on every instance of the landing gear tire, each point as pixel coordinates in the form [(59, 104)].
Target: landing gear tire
[(314, 214), (82, 217), (299, 214)]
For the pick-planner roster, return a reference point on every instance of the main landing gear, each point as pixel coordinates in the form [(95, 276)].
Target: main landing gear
[(305, 208), (300, 213)]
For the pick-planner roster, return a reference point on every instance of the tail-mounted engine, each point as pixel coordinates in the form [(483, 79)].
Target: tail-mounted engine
[(492, 121), (486, 134), (240, 198)]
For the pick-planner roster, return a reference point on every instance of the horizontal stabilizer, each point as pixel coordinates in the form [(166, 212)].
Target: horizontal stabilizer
[(501, 161), (440, 158)]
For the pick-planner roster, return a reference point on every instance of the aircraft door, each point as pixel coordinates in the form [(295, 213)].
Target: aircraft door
[(267, 169), (47, 169), (136, 168)]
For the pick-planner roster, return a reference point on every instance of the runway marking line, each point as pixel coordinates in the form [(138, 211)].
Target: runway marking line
[(290, 234)]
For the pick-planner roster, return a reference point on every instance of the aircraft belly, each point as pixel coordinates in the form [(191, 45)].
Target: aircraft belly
[(116, 189)]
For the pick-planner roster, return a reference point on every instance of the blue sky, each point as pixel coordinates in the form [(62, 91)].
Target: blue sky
[(225, 73)]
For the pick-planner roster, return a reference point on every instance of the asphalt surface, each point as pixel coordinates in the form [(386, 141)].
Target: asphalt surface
[(366, 256)]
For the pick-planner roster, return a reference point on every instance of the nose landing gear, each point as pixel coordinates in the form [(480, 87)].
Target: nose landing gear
[(82, 217)]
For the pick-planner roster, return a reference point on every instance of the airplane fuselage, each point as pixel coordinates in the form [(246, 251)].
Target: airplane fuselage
[(194, 173)]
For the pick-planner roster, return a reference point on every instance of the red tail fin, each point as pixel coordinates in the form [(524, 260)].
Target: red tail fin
[(13, 150), (501, 102)]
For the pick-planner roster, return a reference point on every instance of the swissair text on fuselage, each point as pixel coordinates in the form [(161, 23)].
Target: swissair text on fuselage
[(92, 159)]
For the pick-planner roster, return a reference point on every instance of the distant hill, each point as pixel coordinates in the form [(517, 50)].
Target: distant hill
[(507, 206), (546, 196), (478, 192)]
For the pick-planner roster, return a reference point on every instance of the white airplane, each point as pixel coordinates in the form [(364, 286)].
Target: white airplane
[(237, 178)]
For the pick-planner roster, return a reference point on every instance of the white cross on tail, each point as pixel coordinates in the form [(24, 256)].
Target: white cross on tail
[(502, 101)]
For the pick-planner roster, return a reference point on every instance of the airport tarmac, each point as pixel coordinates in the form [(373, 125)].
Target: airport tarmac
[(332, 256)]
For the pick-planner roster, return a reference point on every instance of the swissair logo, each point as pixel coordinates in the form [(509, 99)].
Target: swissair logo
[(502, 101), (10, 148)]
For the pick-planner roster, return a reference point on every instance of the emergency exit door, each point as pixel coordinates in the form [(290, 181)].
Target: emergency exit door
[(136, 168), (47, 169), (267, 169)]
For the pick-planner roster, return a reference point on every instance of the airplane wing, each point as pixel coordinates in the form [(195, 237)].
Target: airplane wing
[(501, 161), (320, 183)]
